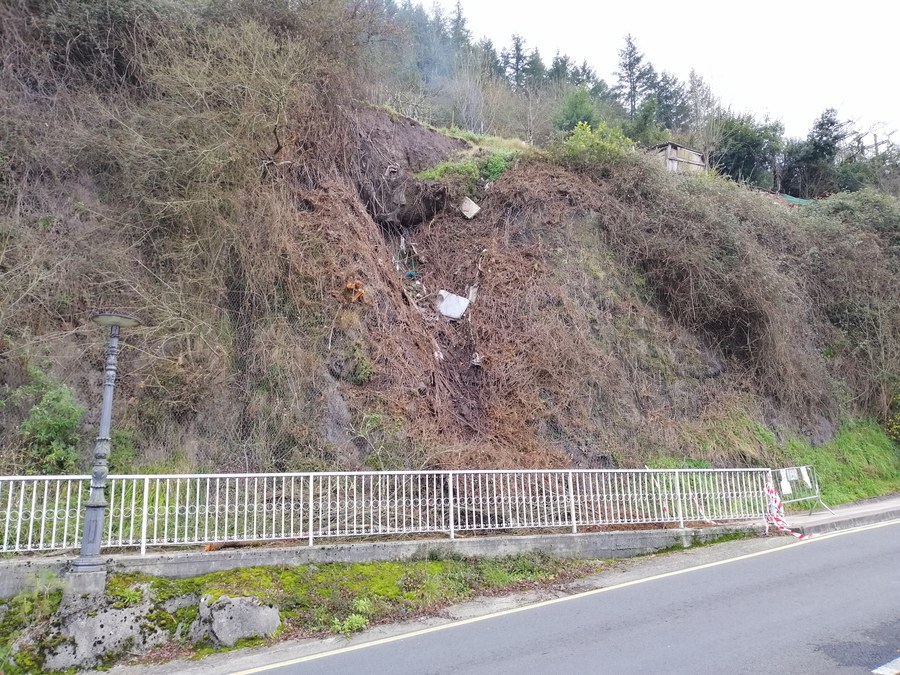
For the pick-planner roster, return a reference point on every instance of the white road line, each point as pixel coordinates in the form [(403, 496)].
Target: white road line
[(892, 668), (546, 603)]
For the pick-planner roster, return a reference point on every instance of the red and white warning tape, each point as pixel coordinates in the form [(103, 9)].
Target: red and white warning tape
[(700, 510), (775, 515), (662, 497)]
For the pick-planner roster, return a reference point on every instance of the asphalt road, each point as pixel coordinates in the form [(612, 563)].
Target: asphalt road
[(826, 605)]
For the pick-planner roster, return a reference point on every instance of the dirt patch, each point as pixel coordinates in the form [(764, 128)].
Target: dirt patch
[(391, 150)]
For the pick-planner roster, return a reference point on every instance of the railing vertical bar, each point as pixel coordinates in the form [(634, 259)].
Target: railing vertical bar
[(247, 508), (379, 502), (145, 499), (57, 485), (647, 503), (236, 506), (618, 495), (368, 514), (21, 511), (215, 513), (166, 513), (293, 503), (255, 531), (679, 500), (173, 506), (224, 513), (10, 488), (31, 514), (187, 509), (282, 531), (206, 513), (111, 510), (310, 514), (572, 502), (131, 532), (44, 501), (406, 502), (450, 504), (156, 510), (78, 498)]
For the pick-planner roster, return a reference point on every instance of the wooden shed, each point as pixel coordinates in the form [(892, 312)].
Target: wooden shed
[(678, 158)]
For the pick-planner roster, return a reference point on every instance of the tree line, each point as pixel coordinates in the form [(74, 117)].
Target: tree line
[(428, 65)]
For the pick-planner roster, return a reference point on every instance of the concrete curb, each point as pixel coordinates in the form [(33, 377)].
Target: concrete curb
[(843, 523), (582, 545), (15, 575)]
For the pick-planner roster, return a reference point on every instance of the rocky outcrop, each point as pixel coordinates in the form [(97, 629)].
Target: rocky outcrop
[(88, 634), (229, 620)]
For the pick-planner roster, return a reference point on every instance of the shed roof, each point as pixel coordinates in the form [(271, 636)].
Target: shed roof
[(673, 144)]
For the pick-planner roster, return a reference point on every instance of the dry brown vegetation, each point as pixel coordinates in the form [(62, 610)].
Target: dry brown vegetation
[(226, 183)]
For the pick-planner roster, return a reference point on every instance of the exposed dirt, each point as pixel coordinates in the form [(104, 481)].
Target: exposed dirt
[(391, 150)]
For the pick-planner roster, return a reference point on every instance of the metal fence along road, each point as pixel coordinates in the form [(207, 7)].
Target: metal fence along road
[(45, 513)]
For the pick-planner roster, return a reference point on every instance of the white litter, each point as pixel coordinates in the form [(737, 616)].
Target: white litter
[(469, 208), (451, 305)]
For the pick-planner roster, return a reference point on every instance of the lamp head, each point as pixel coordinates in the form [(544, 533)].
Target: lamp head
[(109, 319)]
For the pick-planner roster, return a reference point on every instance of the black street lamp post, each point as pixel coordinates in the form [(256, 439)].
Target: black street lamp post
[(89, 559)]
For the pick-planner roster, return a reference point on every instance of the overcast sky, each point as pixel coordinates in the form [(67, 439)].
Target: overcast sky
[(790, 60)]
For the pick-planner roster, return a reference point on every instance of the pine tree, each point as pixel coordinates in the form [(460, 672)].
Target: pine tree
[(514, 62), (535, 70), (460, 35), (673, 108), (560, 68), (583, 75), (636, 78)]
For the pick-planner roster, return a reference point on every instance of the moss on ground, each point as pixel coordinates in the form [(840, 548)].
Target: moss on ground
[(28, 617), (344, 597)]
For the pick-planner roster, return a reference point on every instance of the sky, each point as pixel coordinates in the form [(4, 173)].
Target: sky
[(789, 60)]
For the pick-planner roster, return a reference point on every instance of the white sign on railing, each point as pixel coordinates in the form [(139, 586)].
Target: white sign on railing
[(43, 513)]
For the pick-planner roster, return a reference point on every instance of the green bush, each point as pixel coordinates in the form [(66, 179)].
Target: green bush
[(866, 209), (588, 147), (495, 165), (578, 108), (49, 432)]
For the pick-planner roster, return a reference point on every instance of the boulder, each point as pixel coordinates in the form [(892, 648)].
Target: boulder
[(228, 620)]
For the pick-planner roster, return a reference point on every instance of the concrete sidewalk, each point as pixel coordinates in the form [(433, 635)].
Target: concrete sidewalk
[(845, 516)]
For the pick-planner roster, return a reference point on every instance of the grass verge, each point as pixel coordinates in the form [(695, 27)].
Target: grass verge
[(342, 598), (859, 463)]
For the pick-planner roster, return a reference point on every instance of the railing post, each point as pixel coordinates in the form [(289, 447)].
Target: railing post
[(310, 515), (144, 515), (572, 504), (678, 499), (450, 504)]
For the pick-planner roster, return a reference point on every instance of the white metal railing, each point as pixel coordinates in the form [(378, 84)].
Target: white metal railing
[(44, 513), (799, 484)]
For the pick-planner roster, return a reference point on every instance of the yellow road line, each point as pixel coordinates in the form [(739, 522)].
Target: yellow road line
[(546, 603)]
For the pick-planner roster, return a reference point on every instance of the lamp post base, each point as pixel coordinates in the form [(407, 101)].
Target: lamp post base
[(85, 577), (88, 564)]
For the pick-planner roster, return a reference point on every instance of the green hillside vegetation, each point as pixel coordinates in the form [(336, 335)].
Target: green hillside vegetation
[(228, 172)]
